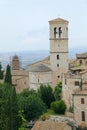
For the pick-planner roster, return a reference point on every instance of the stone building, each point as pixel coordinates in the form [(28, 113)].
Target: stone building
[(71, 83), (81, 59), (20, 77), (49, 70), (15, 63), (58, 48), (80, 107), (73, 78), (57, 62), (39, 74), (74, 89)]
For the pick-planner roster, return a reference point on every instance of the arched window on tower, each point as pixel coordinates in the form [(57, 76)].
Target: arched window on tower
[(55, 32), (60, 32)]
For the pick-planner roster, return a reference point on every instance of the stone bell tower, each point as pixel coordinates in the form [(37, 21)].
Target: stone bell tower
[(58, 48), (15, 65)]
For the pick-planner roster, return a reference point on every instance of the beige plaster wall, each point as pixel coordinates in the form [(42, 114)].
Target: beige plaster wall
[(38, 78), (78, 108)]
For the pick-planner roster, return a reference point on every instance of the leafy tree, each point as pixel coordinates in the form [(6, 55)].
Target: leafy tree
[(1, 72), (57, 91), (8, 77), (31, 104), (59, 107), (24, 121), (46, 94)]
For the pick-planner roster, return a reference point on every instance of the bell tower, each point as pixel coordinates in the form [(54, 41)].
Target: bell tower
[(58, 47)]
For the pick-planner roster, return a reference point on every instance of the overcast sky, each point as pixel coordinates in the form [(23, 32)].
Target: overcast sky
[(24, 23)]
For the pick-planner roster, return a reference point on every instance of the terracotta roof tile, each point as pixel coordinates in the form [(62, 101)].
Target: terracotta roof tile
[(49, 125)]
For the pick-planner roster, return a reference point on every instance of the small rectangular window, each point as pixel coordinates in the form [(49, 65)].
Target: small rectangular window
[(83, 116), (57, 65), (57, 56), (76, 83), (82, 101)]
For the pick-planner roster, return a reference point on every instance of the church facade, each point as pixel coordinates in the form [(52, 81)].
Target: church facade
[(57, 63)]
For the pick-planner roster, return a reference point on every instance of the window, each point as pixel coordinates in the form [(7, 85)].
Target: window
[(55, 32), (83, 116), (58, 76), (82, 101), (76, 83), (80, 62), (60, 31), (57, 56), (57, 65)]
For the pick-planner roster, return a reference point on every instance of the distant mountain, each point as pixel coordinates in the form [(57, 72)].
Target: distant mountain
[(28, 57)]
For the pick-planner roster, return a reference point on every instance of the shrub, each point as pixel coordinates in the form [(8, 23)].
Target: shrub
[(44, 117), (59, 107)]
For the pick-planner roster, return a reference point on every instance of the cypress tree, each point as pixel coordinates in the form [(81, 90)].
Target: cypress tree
[(14, 121), (9, 111), (8, 77), (1, 72)]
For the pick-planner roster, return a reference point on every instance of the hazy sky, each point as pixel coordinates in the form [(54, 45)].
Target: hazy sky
[(24, 23)]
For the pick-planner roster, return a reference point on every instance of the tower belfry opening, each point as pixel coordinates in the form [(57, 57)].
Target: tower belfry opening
[(55, 32), (60, 32)]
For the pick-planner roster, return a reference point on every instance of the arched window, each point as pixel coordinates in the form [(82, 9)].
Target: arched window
[(60, 31), (55, 32)]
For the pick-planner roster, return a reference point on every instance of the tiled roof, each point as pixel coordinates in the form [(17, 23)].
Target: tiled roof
[(45, 60), (49, 125), (83, 55), (79, 68), (19, 73), (39, 68), (59, 20)]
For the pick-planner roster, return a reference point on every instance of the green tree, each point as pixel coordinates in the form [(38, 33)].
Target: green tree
[(59, 107), (57, 91), (46, 94), (3, 114), (8, 77), (1, 72), (31, 104), (14, 119), (9, 119)]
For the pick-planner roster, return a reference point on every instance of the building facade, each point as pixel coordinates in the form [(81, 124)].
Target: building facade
[(80, 107), (58, 48), (39, 74)]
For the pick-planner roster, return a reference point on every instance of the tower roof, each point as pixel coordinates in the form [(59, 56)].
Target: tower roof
[(58, 20)]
